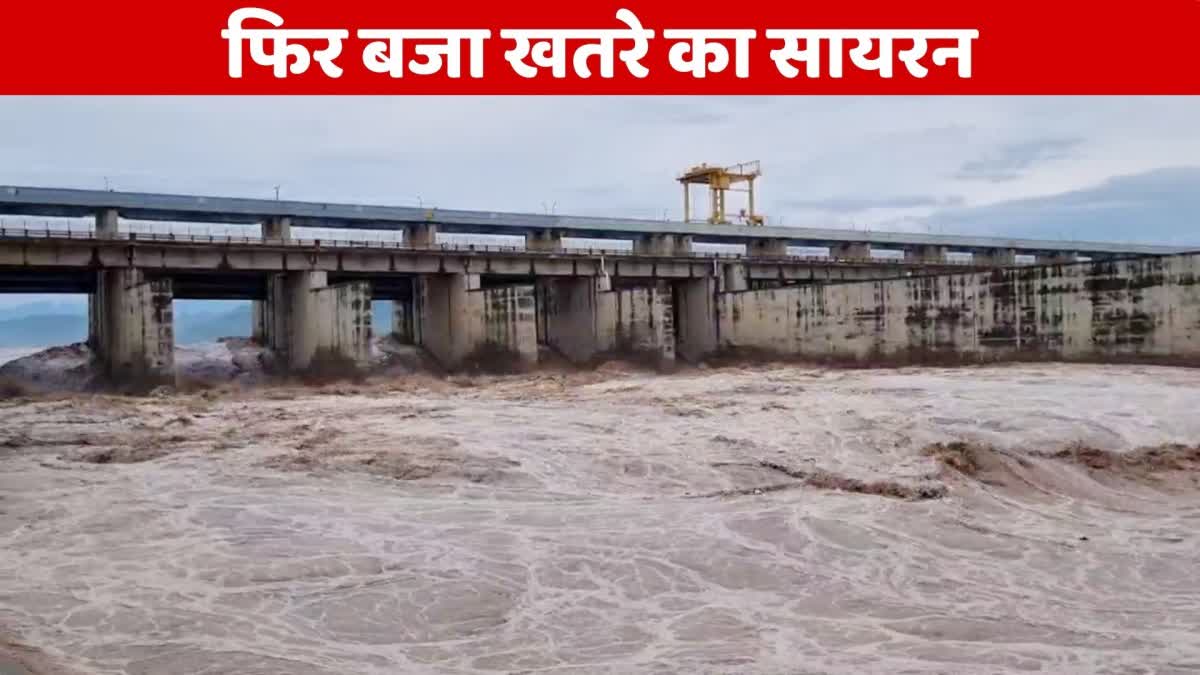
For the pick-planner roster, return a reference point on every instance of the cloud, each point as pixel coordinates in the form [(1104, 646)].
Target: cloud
[(1157, 206), (855, 204), (827, 161), (684, 111), (946, 133), (1012, 161)]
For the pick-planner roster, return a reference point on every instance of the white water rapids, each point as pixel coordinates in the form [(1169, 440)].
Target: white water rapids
[(605, 523)]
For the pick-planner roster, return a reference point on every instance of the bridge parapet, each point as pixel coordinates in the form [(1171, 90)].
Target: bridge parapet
[(27, 248)]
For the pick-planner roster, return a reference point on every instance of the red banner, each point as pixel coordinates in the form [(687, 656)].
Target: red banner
[(555, 47)]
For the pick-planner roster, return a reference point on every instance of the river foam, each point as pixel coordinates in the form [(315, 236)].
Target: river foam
[(610, 523)]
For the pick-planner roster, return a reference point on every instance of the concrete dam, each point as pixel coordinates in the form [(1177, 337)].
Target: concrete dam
[(663, 300)]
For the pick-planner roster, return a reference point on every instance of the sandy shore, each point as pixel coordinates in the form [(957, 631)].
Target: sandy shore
[(782, 520)]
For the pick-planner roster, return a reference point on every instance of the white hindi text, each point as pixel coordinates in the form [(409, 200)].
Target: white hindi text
[(811, 53), (695, 47), (282, 51), (546, 48), (385, 52)]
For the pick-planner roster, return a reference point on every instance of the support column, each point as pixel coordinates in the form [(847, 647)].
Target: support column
[(107, 221), (131, 329), (421, 235), (767, 248), (507, 338), (444, 315), (638, 323), (313, 327), (925, 254), (277, 227), (696, 312), (463, 325), (663, 245), (571, 307), (258, 322), (95, 335), (585, 321), (850, 251), (734, 277), (995, 257), (106, 226), (1056, 258), (541, 287), (544, 240)]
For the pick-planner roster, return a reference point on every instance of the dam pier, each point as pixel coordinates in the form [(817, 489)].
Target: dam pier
[(660, 300)]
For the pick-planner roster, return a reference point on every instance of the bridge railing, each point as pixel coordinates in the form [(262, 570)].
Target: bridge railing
[(311, 243)]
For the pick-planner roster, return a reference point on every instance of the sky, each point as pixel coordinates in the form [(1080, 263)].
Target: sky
[(1119, 169)]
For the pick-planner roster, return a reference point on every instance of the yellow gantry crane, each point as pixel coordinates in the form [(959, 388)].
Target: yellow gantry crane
[(721, 180)]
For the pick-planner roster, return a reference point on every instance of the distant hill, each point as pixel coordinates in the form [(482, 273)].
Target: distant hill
[(43, 329), (60, 323), (193, 324)]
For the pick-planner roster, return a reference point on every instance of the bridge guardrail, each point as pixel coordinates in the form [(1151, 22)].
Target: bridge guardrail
[(90, 235)]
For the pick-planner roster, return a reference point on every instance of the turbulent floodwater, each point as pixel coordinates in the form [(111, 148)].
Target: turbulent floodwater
[(613, 523)]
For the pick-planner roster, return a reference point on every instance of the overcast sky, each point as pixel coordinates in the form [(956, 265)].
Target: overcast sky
[(1094, 168)]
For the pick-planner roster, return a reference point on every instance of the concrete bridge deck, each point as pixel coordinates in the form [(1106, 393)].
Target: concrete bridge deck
[(312, 298), (42, 201), (32, 253)]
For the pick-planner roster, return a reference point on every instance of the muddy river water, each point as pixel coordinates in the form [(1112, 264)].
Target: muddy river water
[(783, 520)]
